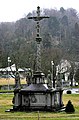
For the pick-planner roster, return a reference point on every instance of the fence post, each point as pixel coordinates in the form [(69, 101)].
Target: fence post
[(38, 116)]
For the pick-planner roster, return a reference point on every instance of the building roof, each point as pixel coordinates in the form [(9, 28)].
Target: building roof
[(35, 88), (12, 68)]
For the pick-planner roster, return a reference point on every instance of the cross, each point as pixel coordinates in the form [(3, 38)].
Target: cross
[(38, 38)]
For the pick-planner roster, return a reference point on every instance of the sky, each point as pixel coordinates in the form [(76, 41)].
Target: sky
[(12, 10)]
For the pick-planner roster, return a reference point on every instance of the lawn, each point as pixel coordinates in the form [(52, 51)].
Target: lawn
[(11, 81), (6, 103)]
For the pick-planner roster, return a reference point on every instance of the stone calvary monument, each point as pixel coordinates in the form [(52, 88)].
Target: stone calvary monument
[(37, 95)]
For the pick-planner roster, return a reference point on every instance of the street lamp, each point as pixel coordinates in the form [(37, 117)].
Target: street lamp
[(52, 75), (9, 61)]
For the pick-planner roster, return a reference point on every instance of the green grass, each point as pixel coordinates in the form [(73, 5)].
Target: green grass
[(6, 103), (6, 91)]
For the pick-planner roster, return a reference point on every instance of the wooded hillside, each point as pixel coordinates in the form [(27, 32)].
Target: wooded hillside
[(60, 39)]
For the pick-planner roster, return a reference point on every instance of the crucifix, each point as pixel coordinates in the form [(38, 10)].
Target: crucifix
[(38, 38)]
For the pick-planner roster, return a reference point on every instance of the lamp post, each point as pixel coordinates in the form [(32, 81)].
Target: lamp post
[(52, 75), (9, 61)]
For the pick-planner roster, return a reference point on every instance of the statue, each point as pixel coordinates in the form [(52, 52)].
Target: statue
[(59, 82), (17, 80), (49, 79), (29, 77)]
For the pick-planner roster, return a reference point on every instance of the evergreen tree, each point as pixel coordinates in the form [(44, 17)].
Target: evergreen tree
[(69, 107)]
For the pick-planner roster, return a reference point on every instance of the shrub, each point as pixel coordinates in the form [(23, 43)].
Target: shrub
[(69, 107)]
